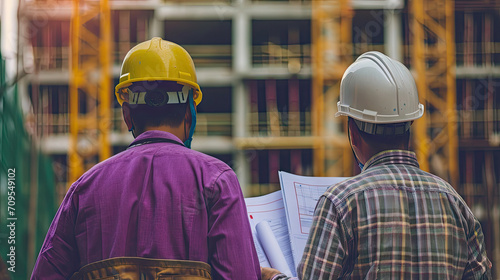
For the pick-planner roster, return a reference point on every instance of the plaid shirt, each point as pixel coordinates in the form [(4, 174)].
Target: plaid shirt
[(394, 221)]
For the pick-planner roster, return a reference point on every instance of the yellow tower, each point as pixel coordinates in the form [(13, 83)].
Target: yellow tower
[(90, 88), (331, 55), (433, 54)]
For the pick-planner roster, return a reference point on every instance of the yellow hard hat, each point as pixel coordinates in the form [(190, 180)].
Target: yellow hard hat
[(157, 60)]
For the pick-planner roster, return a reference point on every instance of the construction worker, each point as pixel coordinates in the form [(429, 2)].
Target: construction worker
[(157, 209), (393, 220)]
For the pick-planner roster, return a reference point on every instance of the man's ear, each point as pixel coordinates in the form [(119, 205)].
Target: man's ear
[(126, 116), (187, 115), (354, 133)]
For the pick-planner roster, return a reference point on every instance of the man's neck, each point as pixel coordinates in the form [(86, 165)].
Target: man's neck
[(370, 152), (177, 131)]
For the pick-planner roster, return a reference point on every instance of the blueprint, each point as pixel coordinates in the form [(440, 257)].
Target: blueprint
[(301, 194), (281, 220), (269, 209)]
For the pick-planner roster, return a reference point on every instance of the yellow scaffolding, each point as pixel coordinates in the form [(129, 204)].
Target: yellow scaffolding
[(331, 55), (433, 55), (90, 86)]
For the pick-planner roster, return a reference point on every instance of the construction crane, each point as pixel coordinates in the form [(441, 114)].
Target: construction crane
[(433, 54), (90, 86), (331, 55)]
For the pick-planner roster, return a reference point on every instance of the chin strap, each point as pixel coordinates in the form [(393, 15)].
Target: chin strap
[(361, 166), (132, 130), (187, 143)]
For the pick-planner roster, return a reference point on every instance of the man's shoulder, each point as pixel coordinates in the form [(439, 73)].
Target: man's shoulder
[(186, 161), (389, 176), (204, 160), (183, 157), (339, 192), (173, 153)]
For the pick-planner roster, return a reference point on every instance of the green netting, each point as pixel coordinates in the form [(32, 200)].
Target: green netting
[(33, 174)]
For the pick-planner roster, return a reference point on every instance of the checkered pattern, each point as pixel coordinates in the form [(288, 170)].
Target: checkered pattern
[(394, 221)]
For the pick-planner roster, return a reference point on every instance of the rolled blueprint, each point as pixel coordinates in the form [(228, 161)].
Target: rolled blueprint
[(272, 248)]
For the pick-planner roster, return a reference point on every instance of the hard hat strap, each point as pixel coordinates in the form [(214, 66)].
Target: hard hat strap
[(193, 119), (361, 166), (383, 129)]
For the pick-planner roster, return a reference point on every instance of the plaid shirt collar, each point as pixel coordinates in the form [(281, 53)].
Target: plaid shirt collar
[(392, 157)]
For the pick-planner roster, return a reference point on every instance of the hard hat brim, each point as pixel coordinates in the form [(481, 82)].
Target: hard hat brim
[(374, 117), (197, 91)]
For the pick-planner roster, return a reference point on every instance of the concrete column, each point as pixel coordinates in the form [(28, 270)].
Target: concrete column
[(241, 161), (393, 34), (156, 28), (241, 38), (9, 38), (241, 63)]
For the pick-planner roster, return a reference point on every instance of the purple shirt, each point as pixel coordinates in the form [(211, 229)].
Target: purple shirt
[(157, 200)]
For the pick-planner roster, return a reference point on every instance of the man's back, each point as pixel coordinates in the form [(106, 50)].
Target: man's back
[(156, 200), (394, 221)]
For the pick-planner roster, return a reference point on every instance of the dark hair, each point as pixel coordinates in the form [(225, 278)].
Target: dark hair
[(385, 142), (146, 116)]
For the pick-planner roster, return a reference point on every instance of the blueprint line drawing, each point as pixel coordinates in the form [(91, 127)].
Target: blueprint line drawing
[(300, 196), (307, 197)]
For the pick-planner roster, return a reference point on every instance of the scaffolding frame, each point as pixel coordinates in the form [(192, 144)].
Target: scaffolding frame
[(90, 84), (331, 55), (433, 59)]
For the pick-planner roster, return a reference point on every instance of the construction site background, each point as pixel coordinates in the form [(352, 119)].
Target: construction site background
[(270, 73)]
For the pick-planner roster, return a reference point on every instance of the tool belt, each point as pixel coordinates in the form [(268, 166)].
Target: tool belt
[(131, 268)]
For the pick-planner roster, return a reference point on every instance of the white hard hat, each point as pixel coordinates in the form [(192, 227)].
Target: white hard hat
[(376, 89)]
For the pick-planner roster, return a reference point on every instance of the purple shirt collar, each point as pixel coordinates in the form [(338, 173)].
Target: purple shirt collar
[(156, 134)]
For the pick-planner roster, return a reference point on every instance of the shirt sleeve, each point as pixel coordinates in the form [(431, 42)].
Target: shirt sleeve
[(478, 264), (58, 258), (326, 247), (232, 252)]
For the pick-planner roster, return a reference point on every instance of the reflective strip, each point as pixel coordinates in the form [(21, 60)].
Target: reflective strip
[(170, 97)]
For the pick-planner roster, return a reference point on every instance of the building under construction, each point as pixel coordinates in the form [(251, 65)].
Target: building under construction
[(270, 73)]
